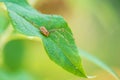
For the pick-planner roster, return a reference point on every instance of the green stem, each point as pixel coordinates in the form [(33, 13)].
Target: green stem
[(5, 36), (99, 63)]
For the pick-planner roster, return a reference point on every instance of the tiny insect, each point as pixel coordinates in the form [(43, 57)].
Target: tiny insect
[(44, 31)]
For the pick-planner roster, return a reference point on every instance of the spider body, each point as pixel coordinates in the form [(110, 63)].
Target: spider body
[(44, 31)]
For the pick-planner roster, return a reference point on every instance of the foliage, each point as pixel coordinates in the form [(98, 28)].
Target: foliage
[(28, 21), (59, 43)]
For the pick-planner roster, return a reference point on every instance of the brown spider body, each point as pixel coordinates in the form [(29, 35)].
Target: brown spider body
[(44, 31)]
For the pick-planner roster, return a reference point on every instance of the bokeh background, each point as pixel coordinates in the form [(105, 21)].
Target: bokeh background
[(96, 28)]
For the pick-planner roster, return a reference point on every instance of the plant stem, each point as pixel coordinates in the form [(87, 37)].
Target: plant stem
[(5, 36)]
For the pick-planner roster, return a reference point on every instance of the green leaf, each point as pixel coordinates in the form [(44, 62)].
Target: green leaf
[(59, 44), (99, 63), (3, 20), (13, 54)]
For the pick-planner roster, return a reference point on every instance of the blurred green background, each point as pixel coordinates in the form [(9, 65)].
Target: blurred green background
[(96, 28)]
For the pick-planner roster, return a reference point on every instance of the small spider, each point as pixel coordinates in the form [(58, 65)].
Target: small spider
[(44, 31)]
